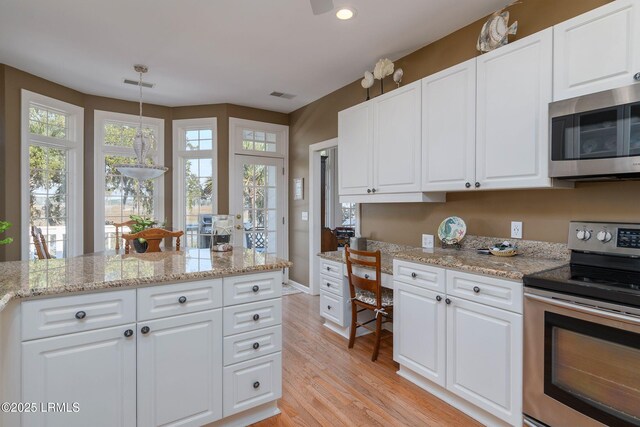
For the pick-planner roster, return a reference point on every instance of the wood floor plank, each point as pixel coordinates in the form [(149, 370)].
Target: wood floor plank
[(327, 384)]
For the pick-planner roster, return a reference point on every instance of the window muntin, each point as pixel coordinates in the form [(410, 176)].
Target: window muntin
[(199, 139), (257, 140), (47, 122)]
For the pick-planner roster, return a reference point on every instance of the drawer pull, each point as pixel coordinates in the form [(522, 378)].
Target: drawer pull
[(414, 275), (438, 298), (182, 300), (636, 77), (256, 317), (366, 276), (328, 268), (476, 289), (256, 384), (448, 301), (128, 333), (328, 307), (255, 288), (145, 330), (81, 315), (256, 345), (328, 285)]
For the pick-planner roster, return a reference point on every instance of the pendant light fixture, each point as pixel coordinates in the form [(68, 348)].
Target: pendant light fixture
[(144, 168)]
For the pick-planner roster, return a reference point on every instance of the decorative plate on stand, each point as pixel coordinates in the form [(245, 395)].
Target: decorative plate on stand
[(452, 230)]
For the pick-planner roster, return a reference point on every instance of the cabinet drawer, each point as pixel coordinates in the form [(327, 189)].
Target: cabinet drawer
[(252, 383), (331, 268), (332, 308), (498, 293), (424, 276), (251, 288), (252, 316), (331, 284), (170, 300), (243, 347), (66, 315), (367, 273)]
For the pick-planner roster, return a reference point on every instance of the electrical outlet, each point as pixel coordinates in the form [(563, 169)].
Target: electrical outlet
[(516, 229), (427, 241)]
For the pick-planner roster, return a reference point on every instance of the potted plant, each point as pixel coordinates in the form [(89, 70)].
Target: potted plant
[(141, 223), (3, 227)]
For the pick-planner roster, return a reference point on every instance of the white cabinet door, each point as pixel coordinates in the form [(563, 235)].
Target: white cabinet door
[(397, 144), (180, 370), (484, 358), (355, 140), (96, 369), (419, 331), (514, 91), (597, 50), (449, 129)]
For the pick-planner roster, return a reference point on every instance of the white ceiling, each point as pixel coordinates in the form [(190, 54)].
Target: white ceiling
[(218, 51)]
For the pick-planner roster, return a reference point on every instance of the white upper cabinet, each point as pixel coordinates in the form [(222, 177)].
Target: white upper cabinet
[(355, 132), (514, 88), (449, 128), (396, 140), (598, 50)]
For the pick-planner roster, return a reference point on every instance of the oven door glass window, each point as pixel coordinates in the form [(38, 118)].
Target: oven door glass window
[(593, 369)]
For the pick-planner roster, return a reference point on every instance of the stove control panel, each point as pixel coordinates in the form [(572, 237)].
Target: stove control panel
[(606, 238)]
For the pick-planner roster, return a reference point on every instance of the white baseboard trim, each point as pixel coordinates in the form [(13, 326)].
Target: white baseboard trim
[(441, 393), (250, 416), (299, 286)]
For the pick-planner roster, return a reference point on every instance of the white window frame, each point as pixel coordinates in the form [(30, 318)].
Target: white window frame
[(180, 154), (100, 150), (74, 144)]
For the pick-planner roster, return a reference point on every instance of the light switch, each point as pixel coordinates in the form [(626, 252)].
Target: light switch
[(305, 216)]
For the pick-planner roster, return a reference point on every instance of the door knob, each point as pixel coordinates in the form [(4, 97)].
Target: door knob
[(145, 330), (438, 298), (128, 333), (468, 185), (256, 384), (373, 190), (238, 216), (477, 184), (182, 300), (256, 345), (448, 301), (238, 227), (636, 77), (368, 190), (476, 289), (81, 315), (255, 288), (256, 317)]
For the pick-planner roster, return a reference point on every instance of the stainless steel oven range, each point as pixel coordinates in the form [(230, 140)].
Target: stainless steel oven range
[(582, 332)]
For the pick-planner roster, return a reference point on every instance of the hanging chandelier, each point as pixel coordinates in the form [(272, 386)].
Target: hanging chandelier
[(144, 168)]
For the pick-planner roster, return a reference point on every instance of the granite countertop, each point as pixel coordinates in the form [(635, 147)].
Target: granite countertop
[(468, 260), (23, 279)]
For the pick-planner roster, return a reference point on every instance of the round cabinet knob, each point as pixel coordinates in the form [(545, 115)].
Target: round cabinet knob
[(448, 301), (636, 77), (256, 384), (238, 227), (328, 285), (468, 185), (583, 235), (477, 184), (256, 317), (256, 345), (476, 289), (128, 333), (255, 288), (145, 330), (366, 276), (438, 298), (368, 190), (81, 315), (328, 268), (414, 275), (604, 236), (373, 190), (328, 307), (182, 300)]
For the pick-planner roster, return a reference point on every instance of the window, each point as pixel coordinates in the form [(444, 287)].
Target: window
[(52, 140), (348, 215), (117, 197), (258, 138), (194, 179)]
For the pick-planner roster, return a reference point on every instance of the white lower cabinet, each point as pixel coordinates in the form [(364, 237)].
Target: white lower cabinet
[(419, 338), (96, 370), (465, 343), (484, 358), (180, 360), (166, 369)]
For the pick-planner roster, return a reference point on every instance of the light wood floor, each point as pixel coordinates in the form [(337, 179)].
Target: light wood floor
[(326, 384)]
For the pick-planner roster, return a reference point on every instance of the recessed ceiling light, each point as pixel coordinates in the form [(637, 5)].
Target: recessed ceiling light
[(345, 13)]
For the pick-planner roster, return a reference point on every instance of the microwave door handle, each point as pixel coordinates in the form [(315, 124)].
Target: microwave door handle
[(627, 318)]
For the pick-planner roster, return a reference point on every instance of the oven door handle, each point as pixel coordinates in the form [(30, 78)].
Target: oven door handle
[(627, 318)]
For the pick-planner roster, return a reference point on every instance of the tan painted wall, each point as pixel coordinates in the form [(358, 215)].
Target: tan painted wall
[(12, 81), (545, 213)]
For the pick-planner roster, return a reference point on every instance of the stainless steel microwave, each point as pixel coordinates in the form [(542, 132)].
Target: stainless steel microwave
[(597, 136)]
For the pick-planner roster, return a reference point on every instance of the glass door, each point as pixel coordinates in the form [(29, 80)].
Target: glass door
[(258, 187)]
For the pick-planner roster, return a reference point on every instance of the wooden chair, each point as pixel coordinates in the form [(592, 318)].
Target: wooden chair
[(153, 236), (368, 294), (118, 226), (40, 242)]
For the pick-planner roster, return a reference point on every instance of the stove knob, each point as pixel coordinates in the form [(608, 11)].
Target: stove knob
[(583, 235), (604, 236)]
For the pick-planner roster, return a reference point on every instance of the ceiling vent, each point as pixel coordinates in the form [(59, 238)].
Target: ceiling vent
[(136, 83), (282, 95)]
